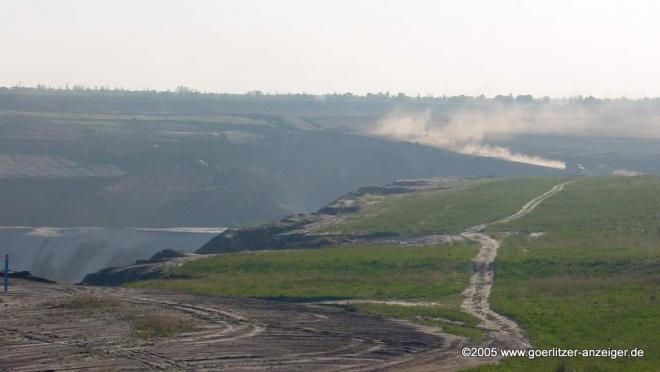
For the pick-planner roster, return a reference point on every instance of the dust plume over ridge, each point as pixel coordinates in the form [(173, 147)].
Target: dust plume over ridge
[(463, 134), (467, 131)]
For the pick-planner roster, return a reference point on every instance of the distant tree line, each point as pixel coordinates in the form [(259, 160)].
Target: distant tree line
[(383, 97)]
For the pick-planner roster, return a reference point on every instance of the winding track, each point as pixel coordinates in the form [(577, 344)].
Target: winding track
[(503, 332), (243, 334)]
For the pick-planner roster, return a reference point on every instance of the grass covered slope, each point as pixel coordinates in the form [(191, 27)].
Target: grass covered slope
[(447, 211), (362, 272), (592, 280), (356, 271)]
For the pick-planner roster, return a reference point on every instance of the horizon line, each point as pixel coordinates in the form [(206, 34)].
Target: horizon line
[(184, 90)]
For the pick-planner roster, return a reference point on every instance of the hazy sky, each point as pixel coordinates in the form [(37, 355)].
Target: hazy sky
[(553, 47)]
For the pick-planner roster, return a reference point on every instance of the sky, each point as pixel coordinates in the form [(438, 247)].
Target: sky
[(555, 48)]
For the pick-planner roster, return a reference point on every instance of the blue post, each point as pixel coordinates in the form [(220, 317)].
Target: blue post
[(6, 272)]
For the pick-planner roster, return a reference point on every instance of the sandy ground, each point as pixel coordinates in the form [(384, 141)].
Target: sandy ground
[(37, 333)]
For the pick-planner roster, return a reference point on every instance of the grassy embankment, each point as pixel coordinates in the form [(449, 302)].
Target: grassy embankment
[(593, 279), (431, 273), (447, 211)]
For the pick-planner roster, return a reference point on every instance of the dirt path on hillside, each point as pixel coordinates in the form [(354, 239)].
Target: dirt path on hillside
[(503, 332)]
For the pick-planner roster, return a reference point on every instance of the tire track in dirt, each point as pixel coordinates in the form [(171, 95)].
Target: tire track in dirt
[(40, 330), (83, 347), (503, 332), (224, 326)]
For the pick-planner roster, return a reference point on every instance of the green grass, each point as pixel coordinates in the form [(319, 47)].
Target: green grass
[(447, 211), (592, 281), (355, 271), (432, 273)]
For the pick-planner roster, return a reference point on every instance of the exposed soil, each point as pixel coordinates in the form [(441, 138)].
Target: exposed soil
[(39, 333), (503, 332)]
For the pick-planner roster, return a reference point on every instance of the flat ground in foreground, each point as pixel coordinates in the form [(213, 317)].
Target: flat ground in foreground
[(54, 327)]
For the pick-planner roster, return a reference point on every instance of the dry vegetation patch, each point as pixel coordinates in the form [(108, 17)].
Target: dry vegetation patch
[(145, 322), (161, 325)]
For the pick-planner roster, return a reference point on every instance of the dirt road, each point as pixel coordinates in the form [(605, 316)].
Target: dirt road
[(503, 332)]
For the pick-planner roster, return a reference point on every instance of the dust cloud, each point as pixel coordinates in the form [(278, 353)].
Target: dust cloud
[(468, 131), (464, 134), (626, 173)]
